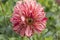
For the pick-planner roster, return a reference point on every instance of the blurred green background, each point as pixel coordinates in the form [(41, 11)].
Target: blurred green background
[(52, 31)]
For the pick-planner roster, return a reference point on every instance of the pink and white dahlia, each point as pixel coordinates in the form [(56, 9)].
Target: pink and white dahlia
[(28, 17)]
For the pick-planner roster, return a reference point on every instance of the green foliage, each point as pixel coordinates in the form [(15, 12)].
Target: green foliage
[(52, 31)]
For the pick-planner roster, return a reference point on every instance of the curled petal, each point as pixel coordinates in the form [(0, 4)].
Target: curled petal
[(28, 31), (22, 32)]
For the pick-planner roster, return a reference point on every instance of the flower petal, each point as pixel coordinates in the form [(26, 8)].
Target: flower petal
[(28, 31), (22, 32), (39, 27)]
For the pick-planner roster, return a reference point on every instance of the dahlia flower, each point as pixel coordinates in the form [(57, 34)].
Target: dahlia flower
[(28, 18)]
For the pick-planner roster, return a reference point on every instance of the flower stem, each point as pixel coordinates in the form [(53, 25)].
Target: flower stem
[(30, 38), (22, 38)]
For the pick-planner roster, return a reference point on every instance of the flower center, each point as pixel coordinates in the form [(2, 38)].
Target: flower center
[(29, 21)]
